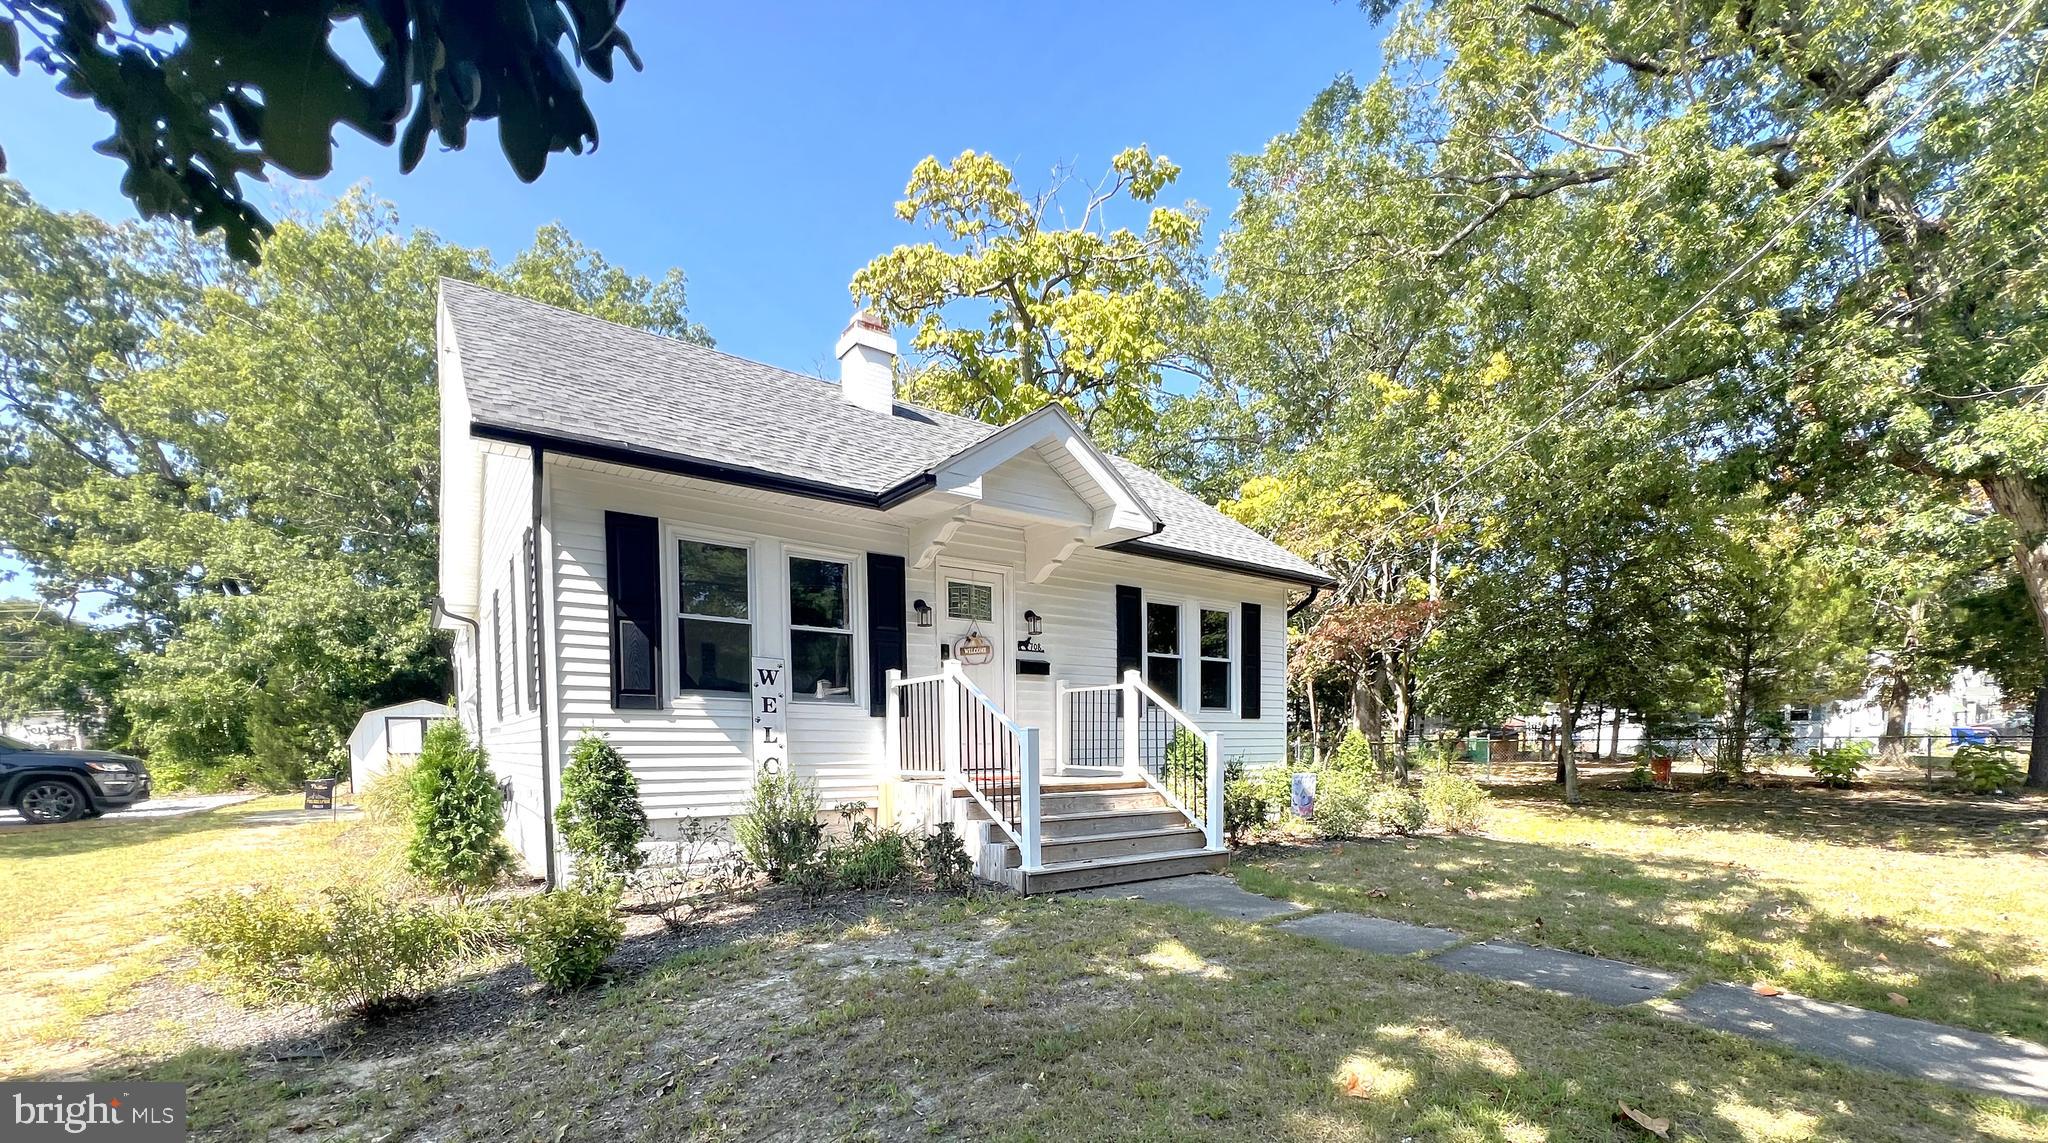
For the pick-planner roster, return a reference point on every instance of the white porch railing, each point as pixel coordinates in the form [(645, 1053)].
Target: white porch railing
[(1131, 728), (944, 726)]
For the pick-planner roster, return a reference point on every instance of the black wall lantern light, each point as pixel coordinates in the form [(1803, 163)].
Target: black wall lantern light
[(924, 613), (1033, 625)]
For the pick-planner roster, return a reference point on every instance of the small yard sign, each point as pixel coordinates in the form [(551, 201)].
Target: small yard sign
[(771, 718)]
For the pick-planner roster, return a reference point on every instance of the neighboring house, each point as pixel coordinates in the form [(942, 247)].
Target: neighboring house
[(390, 735), (1970, 697), (727, 569)]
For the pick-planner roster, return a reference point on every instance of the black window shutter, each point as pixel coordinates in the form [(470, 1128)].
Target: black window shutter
[(1130, 630), (632, 571), (1248, 665), (886, 648)]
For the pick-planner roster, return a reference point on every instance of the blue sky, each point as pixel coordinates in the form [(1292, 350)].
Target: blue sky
[(764, 146)]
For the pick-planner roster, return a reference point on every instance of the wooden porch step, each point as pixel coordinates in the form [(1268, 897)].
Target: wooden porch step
[(1130, 843), (1091, 823), (1118, 870), (1064, 785)]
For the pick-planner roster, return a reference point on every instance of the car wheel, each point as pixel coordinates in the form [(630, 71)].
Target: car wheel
[(50, 802)]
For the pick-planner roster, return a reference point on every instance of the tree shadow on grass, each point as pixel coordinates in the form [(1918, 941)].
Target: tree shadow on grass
[(1889, 815), (1682, 914), (1074, 1019)]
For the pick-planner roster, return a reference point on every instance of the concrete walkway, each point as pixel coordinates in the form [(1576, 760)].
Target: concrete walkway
[(2001, 1065)]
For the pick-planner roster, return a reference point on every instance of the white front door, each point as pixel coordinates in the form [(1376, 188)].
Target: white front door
[(973, 627)]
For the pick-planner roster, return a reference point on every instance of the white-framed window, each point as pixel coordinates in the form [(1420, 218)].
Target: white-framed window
[(822, 662), (1162, 649), (714, 615), (1217, 650)]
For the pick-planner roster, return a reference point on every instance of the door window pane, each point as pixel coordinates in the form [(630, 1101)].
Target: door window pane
[(974, 602), (714, 579)]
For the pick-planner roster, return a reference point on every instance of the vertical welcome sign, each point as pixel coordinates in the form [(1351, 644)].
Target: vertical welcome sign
[(771, 720)]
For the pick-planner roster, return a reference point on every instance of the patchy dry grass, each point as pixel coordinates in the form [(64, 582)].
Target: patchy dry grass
[(1010, 1019), (986, 1017), (1848, 896), (90, 905)]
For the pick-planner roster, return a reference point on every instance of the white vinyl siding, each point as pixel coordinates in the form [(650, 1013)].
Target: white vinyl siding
[(511, 741)]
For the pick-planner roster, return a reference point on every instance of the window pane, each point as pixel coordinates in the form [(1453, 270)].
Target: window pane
[(1215, 634), (821, 666), (817, 593), (1216, 685), (716, 655), (1162, 628), (714, 579), (1163, 672)]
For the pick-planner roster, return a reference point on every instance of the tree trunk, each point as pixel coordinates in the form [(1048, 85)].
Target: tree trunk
[(2037, 760), (1567, 765), (1398, 685), (1893, 696), (1614, 741), (1315, 726), (2025, 503), (1366, 712), (1738, 733)]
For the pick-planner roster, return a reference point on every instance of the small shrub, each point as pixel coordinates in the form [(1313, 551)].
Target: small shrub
[(601, 817), (565, 936), (1639, 778), (1452, 801), (1185, 769), (701, 870), (943, 855), (1395, 809), (351, 950), (780, 831), (1354, 756), (870, 857), (1986, 769), (1245, 805), (387, 799), (1341, 797), (458, 825), (810, 879), (1838, 766), (1275, 786)]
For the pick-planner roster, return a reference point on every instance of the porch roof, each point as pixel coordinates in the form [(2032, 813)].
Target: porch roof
[(540, 375)]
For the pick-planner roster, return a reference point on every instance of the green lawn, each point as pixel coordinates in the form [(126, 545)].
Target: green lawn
[(1849, 896), (990, 1017)]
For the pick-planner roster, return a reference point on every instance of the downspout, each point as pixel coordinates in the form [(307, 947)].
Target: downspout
[(476, 634), (1298, 608), (540, 660)]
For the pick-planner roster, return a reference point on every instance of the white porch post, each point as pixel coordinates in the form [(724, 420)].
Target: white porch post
[(892, 720), (1061, 749), (1027, 746), (949, 726), (1134, 712), (1217, 840)]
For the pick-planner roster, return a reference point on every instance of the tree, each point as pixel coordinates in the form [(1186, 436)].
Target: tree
[(1082, 314), (203, 95), (601, 817), (458, 820), (238, 466), (1993, 635), (49, 661), (1800, 233)]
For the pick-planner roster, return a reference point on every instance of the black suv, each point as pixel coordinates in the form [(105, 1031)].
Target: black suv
[(48, 785)]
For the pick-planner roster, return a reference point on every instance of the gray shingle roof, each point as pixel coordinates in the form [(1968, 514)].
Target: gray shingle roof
[(535, 371)]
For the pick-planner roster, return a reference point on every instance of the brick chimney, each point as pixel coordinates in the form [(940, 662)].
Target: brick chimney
[(867, 364)]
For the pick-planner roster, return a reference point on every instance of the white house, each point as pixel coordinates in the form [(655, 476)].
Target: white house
[(727, 568), (388, 734)]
